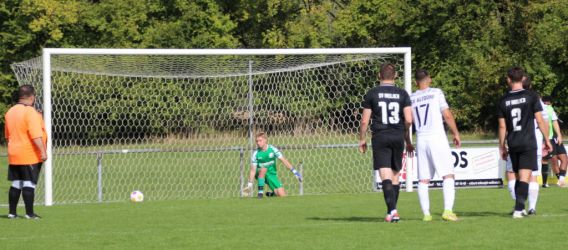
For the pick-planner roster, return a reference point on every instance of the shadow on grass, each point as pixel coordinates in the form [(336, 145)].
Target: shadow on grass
[(5, 216), (484, 214), (354, 219)]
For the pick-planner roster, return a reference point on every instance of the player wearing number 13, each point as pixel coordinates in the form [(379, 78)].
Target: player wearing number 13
[(516, 112), (389, 108)]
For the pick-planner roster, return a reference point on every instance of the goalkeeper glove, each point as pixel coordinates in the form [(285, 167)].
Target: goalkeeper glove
[(297, 174), (248, 189)]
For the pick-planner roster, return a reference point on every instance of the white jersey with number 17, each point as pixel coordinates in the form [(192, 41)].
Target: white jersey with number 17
[(427, 107)]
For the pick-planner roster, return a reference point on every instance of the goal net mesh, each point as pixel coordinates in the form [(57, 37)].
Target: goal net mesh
[(182, 127)]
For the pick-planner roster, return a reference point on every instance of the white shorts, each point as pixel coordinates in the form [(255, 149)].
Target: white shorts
[(538, 135), (434, 155)]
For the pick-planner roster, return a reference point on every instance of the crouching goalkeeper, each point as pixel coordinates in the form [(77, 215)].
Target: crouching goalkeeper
[(263, 167)]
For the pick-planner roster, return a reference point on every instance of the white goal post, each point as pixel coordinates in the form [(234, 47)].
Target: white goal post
[(346, 57)]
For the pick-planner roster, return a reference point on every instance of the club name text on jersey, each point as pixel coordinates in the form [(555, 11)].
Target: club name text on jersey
[(422, 98), (389, 96), (515, 102)]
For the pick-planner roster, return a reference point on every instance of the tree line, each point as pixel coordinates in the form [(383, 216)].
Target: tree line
[(466, 45)]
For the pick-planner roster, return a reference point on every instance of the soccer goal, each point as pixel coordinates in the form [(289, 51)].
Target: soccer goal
[(180, 123)]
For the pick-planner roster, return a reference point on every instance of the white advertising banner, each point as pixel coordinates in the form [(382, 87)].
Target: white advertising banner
[(473, 167)]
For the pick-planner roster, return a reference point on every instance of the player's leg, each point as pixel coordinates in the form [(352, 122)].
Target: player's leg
[(280, 192), (425, 174), (442, 161), (533, 182), (449, 190), (30, 179), (14, 175), (28, 194), (563, 165), (534, 187), (511, 177), (386, 175), (522, 190), (554, 159), (275, 184), (261, 181), (544, 172), (396, 166), (382, 156), (523, 162)]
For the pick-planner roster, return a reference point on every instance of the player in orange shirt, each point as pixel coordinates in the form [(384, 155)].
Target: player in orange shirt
[(25, 133)]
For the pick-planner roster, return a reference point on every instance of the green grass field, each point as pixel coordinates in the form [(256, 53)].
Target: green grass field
[(300, 222)]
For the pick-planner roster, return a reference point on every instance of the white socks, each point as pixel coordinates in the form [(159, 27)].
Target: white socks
[(424, 198), (449, 194), (533, 195), (511, 185)]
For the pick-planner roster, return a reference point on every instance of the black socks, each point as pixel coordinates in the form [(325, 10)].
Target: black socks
[(13, 198)]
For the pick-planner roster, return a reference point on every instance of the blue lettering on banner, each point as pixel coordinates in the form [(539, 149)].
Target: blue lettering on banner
[(460, 159)]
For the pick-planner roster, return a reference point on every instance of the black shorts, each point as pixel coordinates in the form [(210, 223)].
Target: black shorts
[(387, 152), (24, 172), (557, 148), (524, 160)]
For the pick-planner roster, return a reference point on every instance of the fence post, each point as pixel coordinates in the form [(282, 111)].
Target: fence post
[(100, 176), (242, 167), (301, 167)]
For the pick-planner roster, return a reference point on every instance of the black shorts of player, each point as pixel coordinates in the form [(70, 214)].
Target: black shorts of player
[(524, 160), (24, 172), (557, 148), (387, 151)]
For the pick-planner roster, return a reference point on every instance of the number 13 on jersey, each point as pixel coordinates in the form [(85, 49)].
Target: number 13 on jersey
[(390, 112)]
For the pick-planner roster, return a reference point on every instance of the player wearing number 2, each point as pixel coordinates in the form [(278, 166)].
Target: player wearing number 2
[(516, 112), (430, 109), (389, 108)]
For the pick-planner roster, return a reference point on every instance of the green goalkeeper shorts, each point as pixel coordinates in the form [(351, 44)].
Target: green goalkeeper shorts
[(272, 181)]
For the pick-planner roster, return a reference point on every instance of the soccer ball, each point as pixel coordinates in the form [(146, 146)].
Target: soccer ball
[(136, 196)]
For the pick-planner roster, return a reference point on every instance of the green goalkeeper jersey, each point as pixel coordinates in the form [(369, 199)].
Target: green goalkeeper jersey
[(266, 159)]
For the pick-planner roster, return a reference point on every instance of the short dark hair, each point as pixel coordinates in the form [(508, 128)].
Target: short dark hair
[(26, 91), (515, 74), (547, 98), (527, 83), (421, 74), (388, 71)]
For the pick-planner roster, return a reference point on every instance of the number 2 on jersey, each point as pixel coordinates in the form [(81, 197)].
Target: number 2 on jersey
[(424, 110), (516, 115), (393, 108)]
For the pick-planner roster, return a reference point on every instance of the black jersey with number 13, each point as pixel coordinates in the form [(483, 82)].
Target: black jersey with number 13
[(518, 108), (387, 103)]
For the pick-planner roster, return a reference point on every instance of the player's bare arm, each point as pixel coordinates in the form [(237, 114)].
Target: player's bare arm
[(252, 173), (286, 162), (407, 124), (365, 117), (542, 127), (38, 142), (449, 118), (502, 133)]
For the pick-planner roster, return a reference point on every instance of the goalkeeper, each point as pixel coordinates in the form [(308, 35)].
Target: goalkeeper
[(263, 167)]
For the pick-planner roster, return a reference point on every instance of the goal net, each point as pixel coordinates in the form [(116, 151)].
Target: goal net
[(180, 124)]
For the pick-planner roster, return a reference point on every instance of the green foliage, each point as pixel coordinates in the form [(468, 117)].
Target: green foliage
[(467, 46)]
